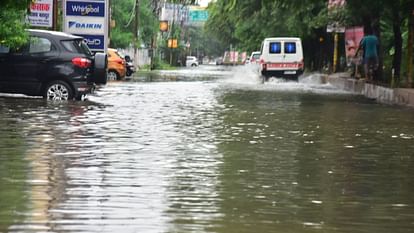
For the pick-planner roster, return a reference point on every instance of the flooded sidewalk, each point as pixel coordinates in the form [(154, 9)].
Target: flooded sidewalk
[(397, 96)]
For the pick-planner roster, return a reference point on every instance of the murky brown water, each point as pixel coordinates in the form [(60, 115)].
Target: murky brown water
[(207, 154)]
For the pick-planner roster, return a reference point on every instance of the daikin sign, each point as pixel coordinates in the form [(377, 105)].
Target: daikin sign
[(89, 19)]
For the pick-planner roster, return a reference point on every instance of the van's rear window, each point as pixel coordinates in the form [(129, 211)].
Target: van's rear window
[(275, 47), (290, 47)]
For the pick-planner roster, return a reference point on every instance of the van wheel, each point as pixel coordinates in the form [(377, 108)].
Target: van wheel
[(264, 78), (58, 90), (194, 65)]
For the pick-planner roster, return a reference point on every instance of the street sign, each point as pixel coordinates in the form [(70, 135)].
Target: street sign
[(198, 15), (172, 43), (89, 19), (41, 13)]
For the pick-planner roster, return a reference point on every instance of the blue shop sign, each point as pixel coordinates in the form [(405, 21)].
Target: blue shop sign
[(94, 42), (96, 9)]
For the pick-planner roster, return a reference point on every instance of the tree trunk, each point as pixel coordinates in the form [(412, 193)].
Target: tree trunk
[(410, 43), (398, 42), (377, 31)]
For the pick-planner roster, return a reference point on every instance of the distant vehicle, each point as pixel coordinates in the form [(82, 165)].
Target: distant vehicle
[(130, 69), (191, 61), (116, 65), (55, 65), (234, 58), (281, 57), (255, 57), (219, 61)]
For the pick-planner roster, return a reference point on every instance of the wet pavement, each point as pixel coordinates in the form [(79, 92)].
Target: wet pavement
[(207, 149)]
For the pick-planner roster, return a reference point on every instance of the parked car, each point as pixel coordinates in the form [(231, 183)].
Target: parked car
[(255, 57), (219, 61), (191, 61), (130, 69), (281, 57), (55, 65), (116, 65)]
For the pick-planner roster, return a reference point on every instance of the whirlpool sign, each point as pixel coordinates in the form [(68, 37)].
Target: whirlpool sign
[(89, 19)]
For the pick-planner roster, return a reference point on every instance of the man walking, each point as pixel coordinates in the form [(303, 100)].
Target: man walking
[(369, 45)]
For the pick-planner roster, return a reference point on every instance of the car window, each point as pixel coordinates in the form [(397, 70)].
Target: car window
[(290, 47), (4, 49), (118, 54), (76, 46), (39, 45), (256, 56), (275, 47)]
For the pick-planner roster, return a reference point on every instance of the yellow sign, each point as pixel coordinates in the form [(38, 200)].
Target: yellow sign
[(172, 43), (164, 26)]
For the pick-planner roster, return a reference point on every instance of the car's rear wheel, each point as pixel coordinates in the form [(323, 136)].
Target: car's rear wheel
[(194, 65), (58, 90), (113, 75)]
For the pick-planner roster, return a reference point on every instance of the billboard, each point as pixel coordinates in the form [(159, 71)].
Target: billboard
[(89, 19), (41, 13), (353, 37)]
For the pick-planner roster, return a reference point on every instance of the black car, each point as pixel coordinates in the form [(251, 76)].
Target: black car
[(55, 65)]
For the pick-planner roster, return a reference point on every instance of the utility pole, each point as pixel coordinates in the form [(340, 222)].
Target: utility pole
[(152, 54), (55, 16), (335, 56), (136, 25)]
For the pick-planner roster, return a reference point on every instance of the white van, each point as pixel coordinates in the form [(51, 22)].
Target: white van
[(281, 57)]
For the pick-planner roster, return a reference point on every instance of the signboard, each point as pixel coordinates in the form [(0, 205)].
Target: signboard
[(172, 43), (174, 12), (164, 26), (353, 37), (198, 15), (89, 19), (41, 13)]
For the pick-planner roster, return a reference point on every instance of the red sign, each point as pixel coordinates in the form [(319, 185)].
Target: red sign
[(352, 38)]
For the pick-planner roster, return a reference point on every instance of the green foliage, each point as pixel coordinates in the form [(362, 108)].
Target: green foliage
[(123, 12), (12, 26)]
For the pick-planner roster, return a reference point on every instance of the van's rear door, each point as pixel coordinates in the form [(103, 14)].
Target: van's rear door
[(292, 54), (275, 53)]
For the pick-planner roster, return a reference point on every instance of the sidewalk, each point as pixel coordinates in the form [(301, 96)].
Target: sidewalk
[(398, 96)]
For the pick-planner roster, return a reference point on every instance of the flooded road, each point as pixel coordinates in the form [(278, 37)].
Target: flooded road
[(207, 150)]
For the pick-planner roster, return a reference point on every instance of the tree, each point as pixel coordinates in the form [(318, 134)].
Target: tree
[(12, 18)]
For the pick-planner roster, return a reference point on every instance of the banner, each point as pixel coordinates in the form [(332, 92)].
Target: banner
[(41, 13), (89, 19), (353, 37)]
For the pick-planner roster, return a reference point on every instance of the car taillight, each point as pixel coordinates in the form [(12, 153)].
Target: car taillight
[(262, 61), (81, 62), (119, 61)]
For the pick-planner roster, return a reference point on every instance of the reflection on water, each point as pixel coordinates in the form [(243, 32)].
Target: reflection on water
[(221, 155)]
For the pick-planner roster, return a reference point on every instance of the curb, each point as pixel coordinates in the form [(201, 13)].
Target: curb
[(385, 95)]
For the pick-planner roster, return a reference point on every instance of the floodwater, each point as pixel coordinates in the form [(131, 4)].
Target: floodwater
[(208, 149)]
